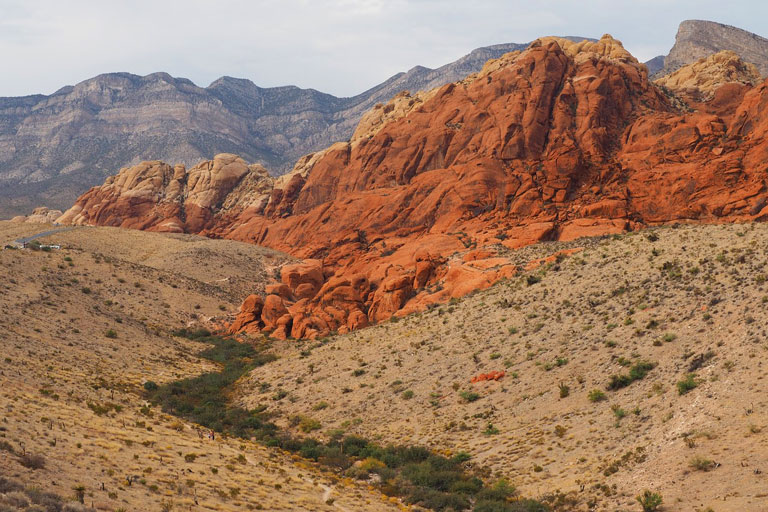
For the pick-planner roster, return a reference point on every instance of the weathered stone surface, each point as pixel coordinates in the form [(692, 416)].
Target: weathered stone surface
[(40, 215), (697, 39), (557, 142), (702, 78), (249, 316)]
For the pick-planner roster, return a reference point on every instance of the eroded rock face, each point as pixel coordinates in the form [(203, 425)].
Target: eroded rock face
[(157, 197), (40, 215), (560, 141), (697, 39), (700, 80)]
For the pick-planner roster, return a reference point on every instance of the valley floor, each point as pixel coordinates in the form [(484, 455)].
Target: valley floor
[(83, 328)]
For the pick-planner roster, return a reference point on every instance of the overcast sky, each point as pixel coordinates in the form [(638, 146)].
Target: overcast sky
[(337, 46)]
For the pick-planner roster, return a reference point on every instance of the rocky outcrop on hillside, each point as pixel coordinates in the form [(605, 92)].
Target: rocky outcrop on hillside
[(154, 195), (702, 78), (697, 39), (40, 215), (428, 202)]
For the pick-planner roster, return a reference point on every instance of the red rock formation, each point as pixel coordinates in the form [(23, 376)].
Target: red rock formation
[(560, 141), (249, 317), (494, 375)]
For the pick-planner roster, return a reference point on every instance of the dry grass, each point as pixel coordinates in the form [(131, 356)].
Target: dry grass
[(693, 301), (72, 395)]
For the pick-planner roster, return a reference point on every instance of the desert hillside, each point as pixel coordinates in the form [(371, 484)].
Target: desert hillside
[(636, 363), (83, 329)]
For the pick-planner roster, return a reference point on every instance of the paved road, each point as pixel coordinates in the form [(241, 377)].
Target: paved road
[(28, 239)]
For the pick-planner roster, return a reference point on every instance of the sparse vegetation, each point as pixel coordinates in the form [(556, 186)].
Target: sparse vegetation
[(687, 384), (650, 501), (701, 463), (637, 372), (416, 474), (596, 396)]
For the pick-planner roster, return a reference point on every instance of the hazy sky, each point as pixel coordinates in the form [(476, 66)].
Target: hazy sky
[(338, 46)]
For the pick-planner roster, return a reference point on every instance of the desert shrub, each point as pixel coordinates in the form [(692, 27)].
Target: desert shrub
[(32, 461), (596, 396), (320, 406), (16, 499), (46, 500), (307, 424), (7, 485), (532, 279), (469, 396), (618, 382), (687, 384), (111, 333), (701, 464), (150, 385), (437, 500), (649, 501), (638, 371)]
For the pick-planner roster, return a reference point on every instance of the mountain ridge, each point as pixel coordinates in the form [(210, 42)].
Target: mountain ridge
[(54, 147)]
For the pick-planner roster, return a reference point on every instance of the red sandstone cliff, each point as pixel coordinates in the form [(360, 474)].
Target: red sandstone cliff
[(560, 141)]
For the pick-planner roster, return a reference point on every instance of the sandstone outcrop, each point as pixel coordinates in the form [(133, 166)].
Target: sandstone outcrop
[(483, 377), (563, 140), (701, 79), (40, 215), (157, 197)]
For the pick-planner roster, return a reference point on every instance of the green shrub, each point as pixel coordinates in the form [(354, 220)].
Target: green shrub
[(320, 406), (469, 396), (596, 396), (150, 385), (111, 333), (649, 501), (637, 372), (687, 384)]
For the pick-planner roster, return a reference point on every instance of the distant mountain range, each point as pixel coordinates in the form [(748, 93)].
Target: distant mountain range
[(52, 148)]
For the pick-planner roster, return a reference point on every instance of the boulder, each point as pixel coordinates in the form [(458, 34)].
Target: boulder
[(249, 317), (273, 309)]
